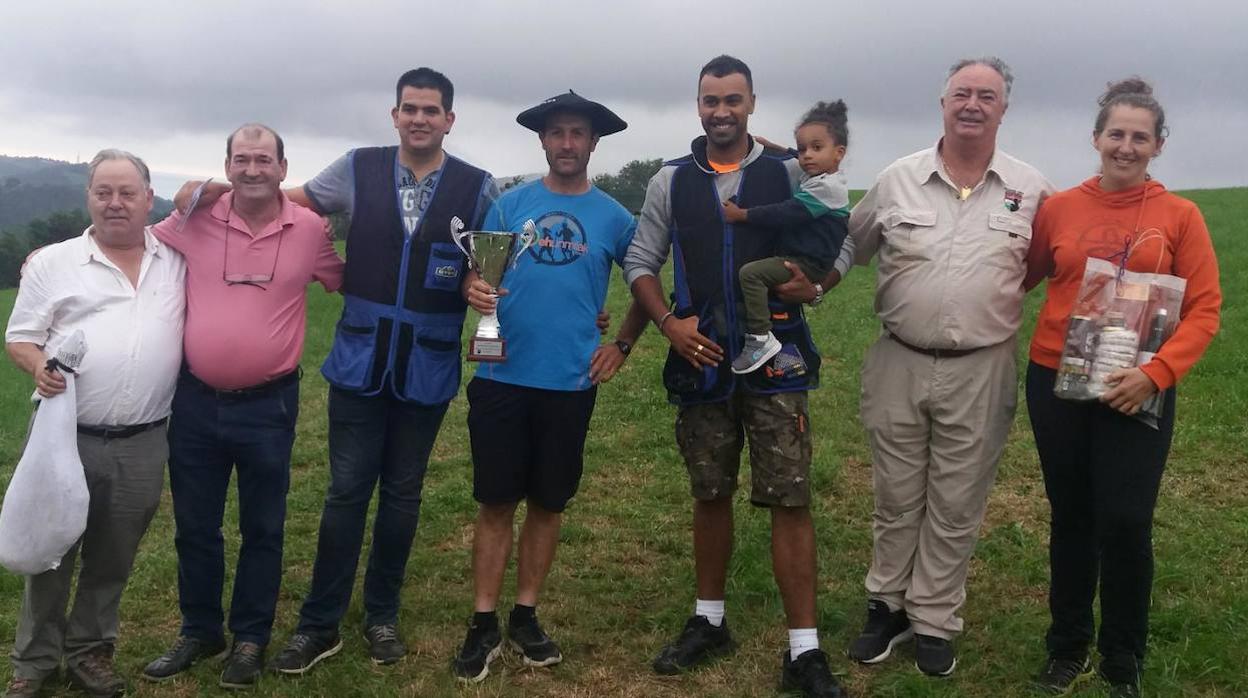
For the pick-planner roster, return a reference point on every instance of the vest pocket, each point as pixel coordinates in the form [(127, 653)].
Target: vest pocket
[(433, 365), (442, 270), (682, 379), (350, 359)]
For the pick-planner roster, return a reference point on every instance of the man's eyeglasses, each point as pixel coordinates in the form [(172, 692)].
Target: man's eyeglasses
[(249, 279)]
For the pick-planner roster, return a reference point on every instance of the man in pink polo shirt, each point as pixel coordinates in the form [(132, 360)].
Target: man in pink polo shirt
[(250, 257)]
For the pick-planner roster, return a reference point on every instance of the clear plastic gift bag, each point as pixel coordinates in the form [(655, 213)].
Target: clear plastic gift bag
[(45, 505), (1120, 319)]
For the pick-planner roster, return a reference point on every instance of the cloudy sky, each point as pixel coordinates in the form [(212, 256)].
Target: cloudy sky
[(169, 80)]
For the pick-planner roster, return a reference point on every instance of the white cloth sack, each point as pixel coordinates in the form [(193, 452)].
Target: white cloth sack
[(45, 506)]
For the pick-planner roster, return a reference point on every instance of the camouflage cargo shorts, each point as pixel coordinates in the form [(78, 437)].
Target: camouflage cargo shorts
[(710, 438)]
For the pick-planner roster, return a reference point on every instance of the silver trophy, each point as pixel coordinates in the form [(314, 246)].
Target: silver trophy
[(491, 253)]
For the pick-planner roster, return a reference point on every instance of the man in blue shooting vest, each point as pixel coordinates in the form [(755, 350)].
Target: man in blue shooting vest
[(395, 363), (718, 409)]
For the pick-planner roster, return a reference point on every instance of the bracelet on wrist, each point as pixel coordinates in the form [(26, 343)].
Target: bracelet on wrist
[(663, 319)]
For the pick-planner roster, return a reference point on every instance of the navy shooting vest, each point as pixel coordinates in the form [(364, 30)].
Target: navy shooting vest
[(402, 311), (708, 253)]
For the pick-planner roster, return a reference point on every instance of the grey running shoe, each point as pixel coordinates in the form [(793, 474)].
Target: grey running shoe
[(755, 353)]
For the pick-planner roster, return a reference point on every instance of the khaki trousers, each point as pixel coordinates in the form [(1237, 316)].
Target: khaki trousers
[(937, 428), (124, 477)]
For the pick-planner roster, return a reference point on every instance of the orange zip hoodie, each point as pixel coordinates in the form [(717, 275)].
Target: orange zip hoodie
[(1167, 235)]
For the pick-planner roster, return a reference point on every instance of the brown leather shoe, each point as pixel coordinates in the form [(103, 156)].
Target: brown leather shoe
[(23, 688), (94, 673)]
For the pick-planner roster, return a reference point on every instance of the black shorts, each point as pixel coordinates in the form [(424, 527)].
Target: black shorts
[(527, 443)]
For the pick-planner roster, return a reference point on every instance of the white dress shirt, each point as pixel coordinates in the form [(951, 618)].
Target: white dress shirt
[(133, 335)]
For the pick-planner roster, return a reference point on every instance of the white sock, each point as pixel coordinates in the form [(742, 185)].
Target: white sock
[(713, 611), (802, 640), (758, 337)]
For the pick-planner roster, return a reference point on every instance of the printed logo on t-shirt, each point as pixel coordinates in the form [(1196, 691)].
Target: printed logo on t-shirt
[(414, 197), (560, 240)]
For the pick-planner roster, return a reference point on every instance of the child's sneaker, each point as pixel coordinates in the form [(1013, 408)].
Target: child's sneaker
[(757, 350)]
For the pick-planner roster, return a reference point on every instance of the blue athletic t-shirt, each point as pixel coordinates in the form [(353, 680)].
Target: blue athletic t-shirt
[(558, 285)]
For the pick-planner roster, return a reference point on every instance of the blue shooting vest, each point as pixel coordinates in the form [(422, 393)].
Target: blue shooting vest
[(708, 252), (402, 312)]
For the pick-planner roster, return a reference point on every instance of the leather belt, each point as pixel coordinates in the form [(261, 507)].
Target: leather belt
[(119, 432), (250, 391), (937, 353)]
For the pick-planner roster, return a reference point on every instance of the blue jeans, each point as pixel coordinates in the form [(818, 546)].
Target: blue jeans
[(211, 434), (371, 439)]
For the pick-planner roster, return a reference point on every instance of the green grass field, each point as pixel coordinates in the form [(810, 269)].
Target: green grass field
[(623, 581)]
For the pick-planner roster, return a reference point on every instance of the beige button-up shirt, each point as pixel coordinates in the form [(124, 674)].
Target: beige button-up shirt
[(950, 272)]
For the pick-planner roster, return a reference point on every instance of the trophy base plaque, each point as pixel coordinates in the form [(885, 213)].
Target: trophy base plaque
[(487, 349)]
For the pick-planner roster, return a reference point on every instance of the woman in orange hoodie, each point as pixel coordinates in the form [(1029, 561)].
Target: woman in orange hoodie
[(1102, 468)]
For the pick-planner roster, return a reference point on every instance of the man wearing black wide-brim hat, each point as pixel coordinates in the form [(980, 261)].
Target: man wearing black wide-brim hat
[(528, 415)]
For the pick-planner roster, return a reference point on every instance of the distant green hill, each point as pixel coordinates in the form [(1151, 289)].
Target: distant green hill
[(33, 188)]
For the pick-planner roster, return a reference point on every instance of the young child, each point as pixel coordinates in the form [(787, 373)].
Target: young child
[(812, 227)]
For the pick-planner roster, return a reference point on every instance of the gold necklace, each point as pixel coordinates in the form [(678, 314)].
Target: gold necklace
[(964, 192)]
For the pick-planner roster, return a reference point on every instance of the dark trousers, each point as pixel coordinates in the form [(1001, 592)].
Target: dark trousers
[(1102, 471), (371, 439), (211, 435)]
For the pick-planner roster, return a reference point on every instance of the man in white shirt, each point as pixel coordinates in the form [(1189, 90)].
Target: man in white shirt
[(124, 290)]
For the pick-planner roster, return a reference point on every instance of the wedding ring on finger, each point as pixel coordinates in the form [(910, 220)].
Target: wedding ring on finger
[(699, 349)]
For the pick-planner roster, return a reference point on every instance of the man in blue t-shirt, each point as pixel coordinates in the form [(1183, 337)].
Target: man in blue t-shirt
[(528, 415)]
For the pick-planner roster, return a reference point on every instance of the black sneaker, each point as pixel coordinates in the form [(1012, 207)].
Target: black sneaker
[(481, 646), (1119, 688), (698, 642), (1059, 676), (304, 650), (533, 644), (934, 656), (182, 656), (810, 676), (244, 666), (384, 644), (883, 631)]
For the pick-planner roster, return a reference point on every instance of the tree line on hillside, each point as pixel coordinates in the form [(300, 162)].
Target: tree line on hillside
[(629, 185)]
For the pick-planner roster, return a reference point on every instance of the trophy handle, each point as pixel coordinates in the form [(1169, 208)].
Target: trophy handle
[(458, 234), (527, 238)]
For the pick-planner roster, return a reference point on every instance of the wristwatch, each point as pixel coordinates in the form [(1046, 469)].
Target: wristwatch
[(623, 346), (818, 295)]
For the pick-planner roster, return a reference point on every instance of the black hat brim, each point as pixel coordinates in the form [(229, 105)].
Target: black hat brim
[(602, 120)]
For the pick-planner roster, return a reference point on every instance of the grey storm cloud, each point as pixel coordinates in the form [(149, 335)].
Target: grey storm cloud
[(175, 77)]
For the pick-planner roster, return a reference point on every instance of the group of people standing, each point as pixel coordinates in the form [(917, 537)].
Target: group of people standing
[(961, 231)]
